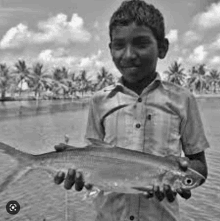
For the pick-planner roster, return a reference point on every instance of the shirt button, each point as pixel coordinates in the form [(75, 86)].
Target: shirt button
[(139, 99), (138, 125), (131, 217)]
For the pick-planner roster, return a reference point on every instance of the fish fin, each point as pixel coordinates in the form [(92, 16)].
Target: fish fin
[(100, 143), (143, 189), (24, 165), (63, 147), (15, 176)]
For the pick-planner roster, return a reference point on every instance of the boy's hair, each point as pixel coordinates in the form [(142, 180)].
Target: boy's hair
[(141, 13)]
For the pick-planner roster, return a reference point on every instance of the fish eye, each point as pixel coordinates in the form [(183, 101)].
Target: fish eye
[(188, 181)]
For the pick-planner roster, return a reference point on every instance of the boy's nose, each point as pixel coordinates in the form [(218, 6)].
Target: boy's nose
[(129, 52)]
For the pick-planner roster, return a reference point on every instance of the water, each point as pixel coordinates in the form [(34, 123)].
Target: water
[(37, 131)]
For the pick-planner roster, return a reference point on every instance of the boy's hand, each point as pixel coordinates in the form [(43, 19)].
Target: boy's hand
[(72, 177), (61, 147), (166, 191)]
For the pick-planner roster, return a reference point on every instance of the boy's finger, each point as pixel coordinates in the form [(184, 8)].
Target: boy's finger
[(88, 186), (170, 195), (59, 177), (160, 195), (60, 147), (186, 194), (79, 181), (70, 179)]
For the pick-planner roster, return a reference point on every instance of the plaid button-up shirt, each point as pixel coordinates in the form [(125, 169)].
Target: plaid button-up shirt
[(163, 120)]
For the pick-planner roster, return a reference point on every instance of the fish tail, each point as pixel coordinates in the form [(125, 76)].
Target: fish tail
[(24, 164)]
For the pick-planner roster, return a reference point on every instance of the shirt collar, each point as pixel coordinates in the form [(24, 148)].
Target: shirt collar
[(119, 86)]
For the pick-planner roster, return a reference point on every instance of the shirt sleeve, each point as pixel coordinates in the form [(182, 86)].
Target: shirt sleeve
[(192, 131), (94, 127)]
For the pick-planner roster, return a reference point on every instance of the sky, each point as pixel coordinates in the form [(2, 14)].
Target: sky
[(74, 33)]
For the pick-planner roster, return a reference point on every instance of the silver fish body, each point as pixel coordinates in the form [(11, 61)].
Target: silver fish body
[(111, 169)]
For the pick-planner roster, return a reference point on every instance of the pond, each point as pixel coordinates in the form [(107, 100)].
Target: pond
[(37, 127)]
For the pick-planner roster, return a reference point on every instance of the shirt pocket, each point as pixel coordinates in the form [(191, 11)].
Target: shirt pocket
[(165, 121), (162, 129)]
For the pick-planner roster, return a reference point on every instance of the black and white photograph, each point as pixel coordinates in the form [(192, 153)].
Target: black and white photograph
[(109, 110)]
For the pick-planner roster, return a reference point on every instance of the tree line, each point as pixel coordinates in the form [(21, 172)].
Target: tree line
[(60, 82), (56, 83), (198, 79)]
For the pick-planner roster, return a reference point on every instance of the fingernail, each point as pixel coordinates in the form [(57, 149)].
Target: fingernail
[(78, 174), (71, 172), (179, 191), (60, 174), (88, 186)]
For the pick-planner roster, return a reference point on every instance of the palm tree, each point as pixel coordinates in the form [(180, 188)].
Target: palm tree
[(5, 80), (84, 83), (197, 79), (72, 83), (22, 74), (60, 76), (176, 73), (41, 80), (213, 79), (104, 79)]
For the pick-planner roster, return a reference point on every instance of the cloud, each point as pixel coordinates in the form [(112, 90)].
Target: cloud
[(58, 29), (57, 57), (15, 37), (210, 18), (216, 44), (180, 60), (215, 60), (97, 38), (54, 30), (96, 24), (199, 54), (62, 57), (91, 62), (190, 37), (172, 36)]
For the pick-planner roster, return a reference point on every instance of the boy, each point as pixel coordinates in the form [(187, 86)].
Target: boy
[(143, 113)]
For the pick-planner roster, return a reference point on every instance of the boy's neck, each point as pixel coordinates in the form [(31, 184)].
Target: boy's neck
[(138, 87)]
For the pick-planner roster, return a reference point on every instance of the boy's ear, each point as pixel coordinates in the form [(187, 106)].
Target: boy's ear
[(163, 48), (110, 47)]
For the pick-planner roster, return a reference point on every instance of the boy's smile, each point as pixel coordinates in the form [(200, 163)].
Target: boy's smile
[(135, 51)]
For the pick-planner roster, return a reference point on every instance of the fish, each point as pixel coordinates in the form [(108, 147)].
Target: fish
[(108, 168)]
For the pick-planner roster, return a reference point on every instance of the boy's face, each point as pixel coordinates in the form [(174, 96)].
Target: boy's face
[(135, 51)]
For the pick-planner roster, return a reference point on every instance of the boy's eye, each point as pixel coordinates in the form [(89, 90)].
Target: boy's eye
[(142, 44), (117, 45)]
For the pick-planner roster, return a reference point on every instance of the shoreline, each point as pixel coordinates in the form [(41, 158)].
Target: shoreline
[(25, 98), (31, 98), (31, 108), (207, 96)]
